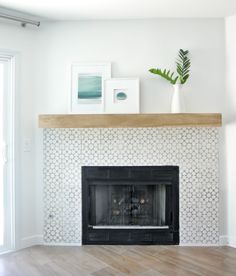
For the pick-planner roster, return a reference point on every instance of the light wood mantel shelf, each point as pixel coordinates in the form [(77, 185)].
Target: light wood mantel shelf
[(130, 120)]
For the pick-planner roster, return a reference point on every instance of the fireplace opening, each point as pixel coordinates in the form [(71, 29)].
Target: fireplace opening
[(136, 205), (130, 205)]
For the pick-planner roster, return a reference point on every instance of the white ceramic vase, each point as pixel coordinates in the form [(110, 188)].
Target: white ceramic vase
[(177, 103)]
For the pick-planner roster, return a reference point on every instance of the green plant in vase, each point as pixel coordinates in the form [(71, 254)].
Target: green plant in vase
[(177, 79)]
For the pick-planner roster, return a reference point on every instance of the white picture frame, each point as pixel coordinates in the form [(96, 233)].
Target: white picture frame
[(87, 87), (122, 96)]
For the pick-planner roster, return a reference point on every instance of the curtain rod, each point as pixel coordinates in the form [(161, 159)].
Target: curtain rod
[(23, 21)]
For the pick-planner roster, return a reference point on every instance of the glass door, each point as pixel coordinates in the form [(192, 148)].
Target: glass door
[(6, 154), (2, 224), (127, 205)]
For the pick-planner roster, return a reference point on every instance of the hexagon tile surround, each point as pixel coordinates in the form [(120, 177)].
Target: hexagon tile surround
[(194, 150)]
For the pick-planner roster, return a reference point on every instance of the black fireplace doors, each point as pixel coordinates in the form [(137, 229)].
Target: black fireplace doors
[(130, 205)]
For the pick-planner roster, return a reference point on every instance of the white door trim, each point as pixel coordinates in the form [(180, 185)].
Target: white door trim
[(10, 156)]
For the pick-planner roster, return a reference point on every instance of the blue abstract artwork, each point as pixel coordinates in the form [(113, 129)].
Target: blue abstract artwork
[(89, 87)]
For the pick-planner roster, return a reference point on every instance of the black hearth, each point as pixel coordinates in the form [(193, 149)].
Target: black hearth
[(130, 205)]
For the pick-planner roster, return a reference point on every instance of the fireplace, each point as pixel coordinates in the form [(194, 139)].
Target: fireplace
[(130, 205)]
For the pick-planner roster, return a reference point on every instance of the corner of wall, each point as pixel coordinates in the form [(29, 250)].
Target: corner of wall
[(31, 241), (228, 241)]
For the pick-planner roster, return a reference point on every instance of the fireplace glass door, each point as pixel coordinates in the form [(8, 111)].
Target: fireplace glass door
[(130, 206)]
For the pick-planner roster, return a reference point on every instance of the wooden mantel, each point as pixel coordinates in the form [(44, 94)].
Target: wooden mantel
[(130, 120)]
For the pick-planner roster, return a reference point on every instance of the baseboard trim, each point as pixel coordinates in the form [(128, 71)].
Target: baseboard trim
[(232, 241), (31, 241), (228, 241), (7, 252)]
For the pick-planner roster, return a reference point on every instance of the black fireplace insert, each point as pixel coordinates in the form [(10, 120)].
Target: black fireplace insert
[(130, 205)]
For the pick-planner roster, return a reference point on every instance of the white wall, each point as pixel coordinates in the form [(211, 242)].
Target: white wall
[(133, 47), (21, 40), (230, 129)]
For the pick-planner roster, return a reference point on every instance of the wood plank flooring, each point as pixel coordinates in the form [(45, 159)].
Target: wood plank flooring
[(120, 260)]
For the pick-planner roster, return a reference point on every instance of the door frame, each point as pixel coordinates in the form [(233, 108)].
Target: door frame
[(10, 151)]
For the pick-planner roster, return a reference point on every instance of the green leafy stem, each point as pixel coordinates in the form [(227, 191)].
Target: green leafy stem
[(165, 74), (183, 69)]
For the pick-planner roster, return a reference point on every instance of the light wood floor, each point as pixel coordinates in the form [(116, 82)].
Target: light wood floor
[(120, 260)]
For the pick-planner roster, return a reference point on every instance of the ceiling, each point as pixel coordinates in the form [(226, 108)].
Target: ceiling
[(122, 9)]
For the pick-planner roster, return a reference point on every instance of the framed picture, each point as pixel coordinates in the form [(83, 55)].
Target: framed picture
[(122, 96), (87, 89)]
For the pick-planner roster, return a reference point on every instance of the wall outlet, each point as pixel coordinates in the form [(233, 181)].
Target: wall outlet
[(27, 145)]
